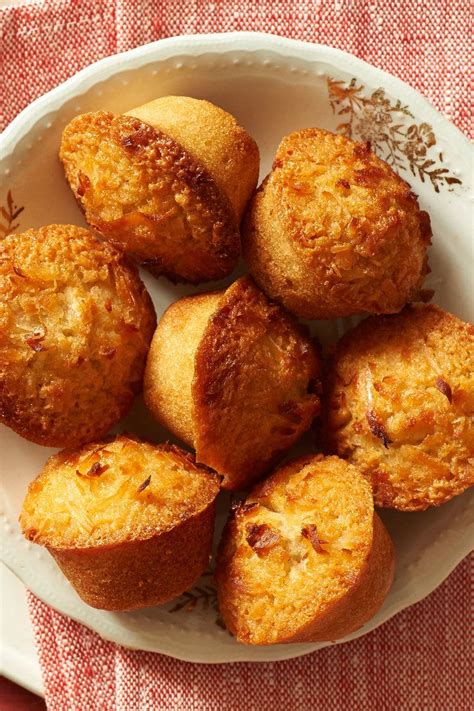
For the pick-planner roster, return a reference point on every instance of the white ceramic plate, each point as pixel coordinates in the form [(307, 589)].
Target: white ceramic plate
[(273, 86)]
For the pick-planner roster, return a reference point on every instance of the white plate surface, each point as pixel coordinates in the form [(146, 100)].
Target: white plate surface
[(273, 86)]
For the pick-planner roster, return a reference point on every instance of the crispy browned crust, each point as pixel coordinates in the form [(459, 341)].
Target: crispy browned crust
[(400, 397), (134, 555), (274, 606), (150, 197), (75, 325), (143, 573), (255, 385), (334, 231), (213, 137)]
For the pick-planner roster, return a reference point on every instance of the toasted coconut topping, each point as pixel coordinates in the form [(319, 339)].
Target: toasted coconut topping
[(144, 484), (95, 470), (311, 533), (35, 338), (300, 585), (54, 319), (444, 388), (38, 333), (83, 184), (334, 231), (261, 537), (19, 272), (377, 428), (35, 345), (141, 137), (240, 507)]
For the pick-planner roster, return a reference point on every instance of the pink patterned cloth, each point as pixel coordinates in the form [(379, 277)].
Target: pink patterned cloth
[(421, 659)]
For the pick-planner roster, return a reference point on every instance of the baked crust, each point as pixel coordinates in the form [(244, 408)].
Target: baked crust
[(256, 372), (401, 405), (215, 140), (333, 231), (152, 197), (170, 366), (130, 524), (305, 558), (235, 377), (75, 326)]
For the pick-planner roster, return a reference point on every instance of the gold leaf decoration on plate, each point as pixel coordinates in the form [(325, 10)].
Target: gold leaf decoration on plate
[(203, 597), (8, 214), (405, 145)]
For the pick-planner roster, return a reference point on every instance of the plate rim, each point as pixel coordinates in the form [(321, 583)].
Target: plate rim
[(201, 43)]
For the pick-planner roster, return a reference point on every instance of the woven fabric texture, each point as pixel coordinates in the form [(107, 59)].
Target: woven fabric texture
[(427, 43), (421, 659)]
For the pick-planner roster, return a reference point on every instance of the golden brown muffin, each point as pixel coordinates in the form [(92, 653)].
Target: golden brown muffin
[(333, 231), (130, 524), (233, 376), (167, 183), (305, 558), (401, 405), (75, 326)]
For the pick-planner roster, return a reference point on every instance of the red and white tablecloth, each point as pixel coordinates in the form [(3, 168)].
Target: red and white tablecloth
[(421, 659)]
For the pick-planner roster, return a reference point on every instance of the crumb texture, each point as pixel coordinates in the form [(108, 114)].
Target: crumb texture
[(121, 491), (75, 326), (299, 558), (401, 405)]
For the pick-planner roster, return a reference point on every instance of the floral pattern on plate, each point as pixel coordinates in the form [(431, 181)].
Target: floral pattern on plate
[(8, 214), (381, 122)]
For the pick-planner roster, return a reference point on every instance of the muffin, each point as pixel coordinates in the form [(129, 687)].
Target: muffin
[(233, 376), (401, 405), (305, 558), (333, 231), (130, 524), (75, 326), (166, 182)]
